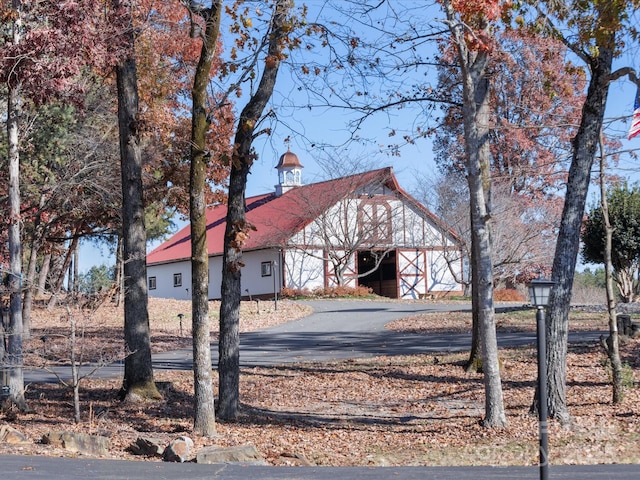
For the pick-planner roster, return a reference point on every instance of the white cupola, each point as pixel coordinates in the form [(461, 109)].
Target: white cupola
[(289, 173)]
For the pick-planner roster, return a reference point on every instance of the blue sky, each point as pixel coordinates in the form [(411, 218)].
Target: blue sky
[(306, 129)]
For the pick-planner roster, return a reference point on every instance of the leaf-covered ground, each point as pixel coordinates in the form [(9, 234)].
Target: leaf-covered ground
[(100, 330), (413, 410)]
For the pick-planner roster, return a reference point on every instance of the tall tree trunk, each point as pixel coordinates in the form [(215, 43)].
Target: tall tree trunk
[(612, 343), (568, 243), (204, 408), (237, 227), (119, 273), (14, 353), (474, 363), (76, 259), (479, 187), (57, 287), (36, 243), (44, 273), (27, 305), (138, 370), (475, 112)]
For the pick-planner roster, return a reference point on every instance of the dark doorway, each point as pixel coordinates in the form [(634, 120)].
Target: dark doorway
[(383, 281)]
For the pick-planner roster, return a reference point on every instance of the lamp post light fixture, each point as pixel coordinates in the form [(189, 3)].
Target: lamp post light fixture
[(539, 292)]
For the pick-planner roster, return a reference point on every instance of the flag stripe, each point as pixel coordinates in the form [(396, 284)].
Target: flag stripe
[(634, 130)]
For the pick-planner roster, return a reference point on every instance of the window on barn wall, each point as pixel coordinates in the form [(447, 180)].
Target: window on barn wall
[(265, 268), (374, 221), (177, 279), (152, 283)]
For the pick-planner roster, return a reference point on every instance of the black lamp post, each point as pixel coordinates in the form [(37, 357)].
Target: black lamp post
[(539, 291)]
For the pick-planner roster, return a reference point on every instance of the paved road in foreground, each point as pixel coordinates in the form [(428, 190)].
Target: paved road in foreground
[(336, 330), (34, 468)]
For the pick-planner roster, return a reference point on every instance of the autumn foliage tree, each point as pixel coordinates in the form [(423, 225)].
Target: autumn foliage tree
[(44, 49), (68, 181), (204, 414), (470, 28), (594, 32), (167, 58), (534, 96), (69, 65), (279, 36)]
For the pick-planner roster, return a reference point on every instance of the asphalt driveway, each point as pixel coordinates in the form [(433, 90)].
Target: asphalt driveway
[(336, 330), (340, 330)]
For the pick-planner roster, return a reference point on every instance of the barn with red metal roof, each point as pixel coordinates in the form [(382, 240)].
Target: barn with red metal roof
[(357, 230)]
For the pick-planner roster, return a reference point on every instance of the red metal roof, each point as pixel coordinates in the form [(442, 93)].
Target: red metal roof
[(276, 218)]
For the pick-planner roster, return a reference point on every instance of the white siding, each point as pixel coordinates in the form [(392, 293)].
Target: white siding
[(164, 280), (440, 278), (304, 269), (412, 228), (252, 278), (253, 282)]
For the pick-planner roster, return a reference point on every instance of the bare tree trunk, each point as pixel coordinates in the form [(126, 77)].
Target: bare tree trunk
[(237, 227), (14, 353), (475, 112), (568, 243), (27, 303), (482, 256), (204, 407), (76, 260), (75, 368), (3, 348), (36, 243), (57, 287), (44, 274), (119, 274), (611, 344), (474, 363), (626, 285), (138, 371)]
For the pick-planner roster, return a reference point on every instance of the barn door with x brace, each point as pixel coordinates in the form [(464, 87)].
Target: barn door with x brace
[(412, 273)]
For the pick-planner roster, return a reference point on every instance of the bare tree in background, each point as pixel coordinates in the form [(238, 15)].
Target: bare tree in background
[(612, 343)]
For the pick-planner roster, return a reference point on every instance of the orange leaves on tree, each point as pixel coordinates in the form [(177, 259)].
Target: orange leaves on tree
[(484, 11), (55, 47), (241, 232), (476, 17), (167, 57)]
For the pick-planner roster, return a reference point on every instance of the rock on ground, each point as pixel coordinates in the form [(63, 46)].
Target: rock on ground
[(178, 450), (94, 445), (12, 436), (241, 454)]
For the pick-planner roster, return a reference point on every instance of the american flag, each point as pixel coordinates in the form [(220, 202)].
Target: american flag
[(635, 120)]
